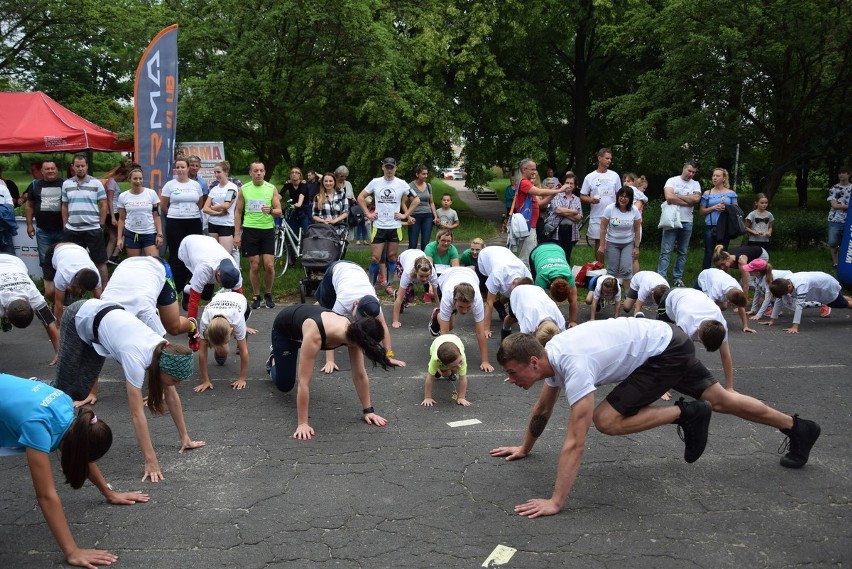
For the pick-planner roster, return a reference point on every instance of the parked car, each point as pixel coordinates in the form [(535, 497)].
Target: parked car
[(454, 174)]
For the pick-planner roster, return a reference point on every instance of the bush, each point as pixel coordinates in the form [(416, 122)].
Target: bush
[(799, 229)]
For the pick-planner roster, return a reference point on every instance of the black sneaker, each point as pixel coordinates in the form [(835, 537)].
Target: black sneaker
[(801, 439), (504, 333), (434, 326), (184, 302), (269, 362), (114, 260), (453, 377), (220, 360), (255, 304), (693, 424), (268, 300)]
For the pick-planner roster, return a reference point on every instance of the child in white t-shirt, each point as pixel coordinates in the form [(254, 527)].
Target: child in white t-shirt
[(604, 290)]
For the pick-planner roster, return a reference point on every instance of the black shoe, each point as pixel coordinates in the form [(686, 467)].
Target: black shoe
[(453, 377), (504, 333), (114, 260), (255, 304), (184, 302), (434, 326), (801, 439), (268, 300), (693, 424), (678, 283), (221, 360)]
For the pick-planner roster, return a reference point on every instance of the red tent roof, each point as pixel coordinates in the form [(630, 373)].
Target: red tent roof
[(33, 122)]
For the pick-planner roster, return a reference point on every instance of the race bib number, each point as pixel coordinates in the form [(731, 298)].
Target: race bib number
[(136, 220), (187, 209), (256, 206)]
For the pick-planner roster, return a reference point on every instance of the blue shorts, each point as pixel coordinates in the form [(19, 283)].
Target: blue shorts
[(835, 233), (139, 240), (168, 294)]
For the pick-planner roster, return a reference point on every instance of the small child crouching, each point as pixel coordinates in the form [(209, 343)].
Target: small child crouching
[(447, 361)]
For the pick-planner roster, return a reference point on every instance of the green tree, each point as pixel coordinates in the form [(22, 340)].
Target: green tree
[(772, 76)]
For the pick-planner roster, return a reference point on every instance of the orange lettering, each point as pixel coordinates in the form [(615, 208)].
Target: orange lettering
[(156, 145)]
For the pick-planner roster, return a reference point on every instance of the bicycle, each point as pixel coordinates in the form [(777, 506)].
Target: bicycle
[(288, 243)]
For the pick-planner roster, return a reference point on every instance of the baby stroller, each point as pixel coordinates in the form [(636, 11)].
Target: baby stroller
[(322, 245)]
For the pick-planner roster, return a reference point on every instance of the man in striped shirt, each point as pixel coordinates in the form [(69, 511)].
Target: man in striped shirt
[(84, 210)]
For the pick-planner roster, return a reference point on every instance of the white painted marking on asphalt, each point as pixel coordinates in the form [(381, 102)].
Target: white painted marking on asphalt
[(465, 423), (500, 556)]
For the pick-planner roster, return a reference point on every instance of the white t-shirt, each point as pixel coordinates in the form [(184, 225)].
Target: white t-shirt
[(603, 185), (15, 284), (68, 260), (716, 283), (448, 281), (603, 351), (5, 195), (500, 267), (531, 305), (136, 284), (688, 308), (812, 286), (596, 294), (201, 255), (619, 228), (350, 283), (683, 187), (231, 305), (407, 259), (217, 196), (183, 199), (644, 283), (122, 336), (139, 210), (388, 196)]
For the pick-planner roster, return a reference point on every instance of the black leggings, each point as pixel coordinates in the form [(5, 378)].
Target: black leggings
[(176, 230), (285, 345)]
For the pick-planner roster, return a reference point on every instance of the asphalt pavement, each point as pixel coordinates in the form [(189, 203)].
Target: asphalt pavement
[(421, 492)]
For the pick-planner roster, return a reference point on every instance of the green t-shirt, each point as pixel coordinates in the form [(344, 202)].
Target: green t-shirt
[(431, 250), (466, 259), (256, 197), (550, 264), (435, 363)]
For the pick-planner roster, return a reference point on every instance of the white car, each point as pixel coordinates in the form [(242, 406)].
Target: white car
[(454, 174)]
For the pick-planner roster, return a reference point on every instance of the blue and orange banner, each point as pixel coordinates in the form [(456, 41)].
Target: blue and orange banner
[(155, 108)]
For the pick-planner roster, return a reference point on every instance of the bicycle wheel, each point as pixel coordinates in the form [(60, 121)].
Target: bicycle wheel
[(285, 258)]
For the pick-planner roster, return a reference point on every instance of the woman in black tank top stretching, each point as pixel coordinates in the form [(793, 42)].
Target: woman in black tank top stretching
[(306, 330)]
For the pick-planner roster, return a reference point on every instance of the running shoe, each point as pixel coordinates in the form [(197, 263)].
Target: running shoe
[(268, 301), (427, 298), (693, 426), (434, 326), (269, 362), (255, 304), (194, 336), (800, 439), (679, 283), (824, 311)]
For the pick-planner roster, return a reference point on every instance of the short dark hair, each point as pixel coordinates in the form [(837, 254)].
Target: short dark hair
[(712, 334), (20, 313), (87, 279), (519, 347)]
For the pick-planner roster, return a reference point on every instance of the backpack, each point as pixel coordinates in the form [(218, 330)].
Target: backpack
[(581, 276)]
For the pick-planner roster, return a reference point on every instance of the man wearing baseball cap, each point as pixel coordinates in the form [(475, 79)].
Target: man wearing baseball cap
[(209, 263), (388, 216)]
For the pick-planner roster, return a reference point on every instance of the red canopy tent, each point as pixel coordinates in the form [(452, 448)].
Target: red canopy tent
[(33, 122)]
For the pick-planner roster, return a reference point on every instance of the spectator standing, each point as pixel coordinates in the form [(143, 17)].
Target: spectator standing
[(181, 200), (387, 191), (758, 223), (838, 196), (84, 211), (254, 229), (424, 215), (44, 206), (527, 203), (447, 217), (685, 192), (220, 205), (599, 188), (331, 206), (712, 203), (139, 224)]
